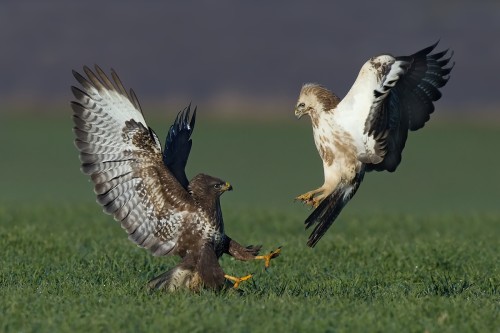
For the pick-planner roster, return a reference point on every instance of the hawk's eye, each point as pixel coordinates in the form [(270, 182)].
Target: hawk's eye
[(217, 186), (302, 105)]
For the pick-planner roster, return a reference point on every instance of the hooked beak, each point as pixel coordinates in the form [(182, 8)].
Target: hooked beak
[(299, 112), (227, 187)]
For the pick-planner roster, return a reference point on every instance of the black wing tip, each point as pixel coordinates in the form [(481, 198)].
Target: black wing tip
[(185, 119), (193, 118), (444, 57), (97, 72), (184, 122), (435, 44), (427, 50), (88, 70), (80, 78), (97, 68)]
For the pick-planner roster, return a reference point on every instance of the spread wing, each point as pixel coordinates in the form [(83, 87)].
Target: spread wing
[(123, 157), (178, 145), (404, 101)]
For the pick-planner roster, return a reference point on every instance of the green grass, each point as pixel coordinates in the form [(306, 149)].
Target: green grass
[(414, 251), (70, 268)]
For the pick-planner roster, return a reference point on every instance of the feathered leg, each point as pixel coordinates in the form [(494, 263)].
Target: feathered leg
[(332, 181), (315, 197), (251, 253)]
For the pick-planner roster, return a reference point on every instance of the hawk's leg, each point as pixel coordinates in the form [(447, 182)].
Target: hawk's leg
[(251, 253), (237, 280)]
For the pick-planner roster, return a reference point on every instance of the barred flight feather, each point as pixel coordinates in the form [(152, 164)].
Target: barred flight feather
[(123, 157)]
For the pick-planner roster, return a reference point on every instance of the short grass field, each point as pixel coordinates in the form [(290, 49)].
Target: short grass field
[(414, 251)]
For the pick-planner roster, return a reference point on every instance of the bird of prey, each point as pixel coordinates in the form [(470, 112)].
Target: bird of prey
[(147, 190), (367, 130)]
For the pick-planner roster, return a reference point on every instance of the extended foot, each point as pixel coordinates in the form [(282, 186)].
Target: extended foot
[(306, 197), (237, 280), (271, 255), (312, 198)]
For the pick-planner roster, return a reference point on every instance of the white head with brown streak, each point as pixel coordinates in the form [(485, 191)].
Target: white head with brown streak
[(314, 99)]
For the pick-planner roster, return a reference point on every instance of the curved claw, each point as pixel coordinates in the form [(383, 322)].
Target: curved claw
[(311, 198), (305, 198), (237, 280), (314, 203)]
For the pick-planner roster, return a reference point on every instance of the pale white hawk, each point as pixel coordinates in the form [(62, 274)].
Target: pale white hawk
[(367, 130)]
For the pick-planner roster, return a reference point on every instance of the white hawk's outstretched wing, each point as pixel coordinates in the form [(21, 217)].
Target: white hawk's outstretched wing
[(123, 157), (404, 101), (391, 96)]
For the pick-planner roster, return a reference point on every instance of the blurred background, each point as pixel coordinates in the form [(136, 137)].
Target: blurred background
[(243, 63)]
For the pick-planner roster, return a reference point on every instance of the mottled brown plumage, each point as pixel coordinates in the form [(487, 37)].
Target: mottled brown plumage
[(146, 190)]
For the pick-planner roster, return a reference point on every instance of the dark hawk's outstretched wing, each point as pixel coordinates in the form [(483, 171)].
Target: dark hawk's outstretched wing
[(178, 145), (123, 157)]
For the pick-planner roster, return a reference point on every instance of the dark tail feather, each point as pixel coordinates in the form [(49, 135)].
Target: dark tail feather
[(330, 208), (325, 214)]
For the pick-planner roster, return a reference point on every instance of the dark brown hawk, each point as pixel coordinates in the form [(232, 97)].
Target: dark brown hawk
[(367, 130), (147, 191)]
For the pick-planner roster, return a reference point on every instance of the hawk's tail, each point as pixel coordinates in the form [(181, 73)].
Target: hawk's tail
[(176, 278), (193, 273), (328, 210)]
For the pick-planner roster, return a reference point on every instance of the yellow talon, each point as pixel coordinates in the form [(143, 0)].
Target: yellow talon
[(309, 199), (269, 256), (306, 197), (237, 280)]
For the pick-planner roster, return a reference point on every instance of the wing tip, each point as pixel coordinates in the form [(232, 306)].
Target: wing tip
[(185, 119)]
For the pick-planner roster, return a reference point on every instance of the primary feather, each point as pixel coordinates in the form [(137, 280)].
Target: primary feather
[(178, 144)]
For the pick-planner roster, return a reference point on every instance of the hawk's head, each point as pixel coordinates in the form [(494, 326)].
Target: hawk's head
[(314, 99), (208, 186)]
